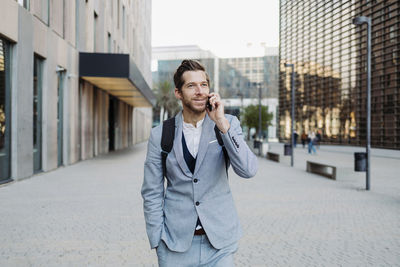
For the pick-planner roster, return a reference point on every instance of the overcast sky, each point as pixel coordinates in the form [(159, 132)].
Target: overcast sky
[(225, 27)]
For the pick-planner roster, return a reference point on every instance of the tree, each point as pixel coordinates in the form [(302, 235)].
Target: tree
[(250, 118), (166, 99)]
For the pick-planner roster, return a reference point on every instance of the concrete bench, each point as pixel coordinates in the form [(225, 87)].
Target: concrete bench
[(273, 156), (322, 169)]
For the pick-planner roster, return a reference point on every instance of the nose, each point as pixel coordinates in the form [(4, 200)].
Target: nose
[(199, 89)]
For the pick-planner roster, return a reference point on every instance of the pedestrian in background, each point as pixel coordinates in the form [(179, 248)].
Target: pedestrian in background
[(311, 142), (303, 139), (295, 135), (318, 138), (193, 221)]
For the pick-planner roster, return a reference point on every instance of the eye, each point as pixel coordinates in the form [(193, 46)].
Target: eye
[(205, 84)]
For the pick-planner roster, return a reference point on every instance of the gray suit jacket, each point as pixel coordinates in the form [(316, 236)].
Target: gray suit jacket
[(171, 213)]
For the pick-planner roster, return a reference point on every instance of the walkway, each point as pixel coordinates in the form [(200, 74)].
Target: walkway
[(90, 214)]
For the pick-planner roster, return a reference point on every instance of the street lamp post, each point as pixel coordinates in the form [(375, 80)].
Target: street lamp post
[(258, 85), (293, 100), (359, 21), (240, 94), (259, 112)]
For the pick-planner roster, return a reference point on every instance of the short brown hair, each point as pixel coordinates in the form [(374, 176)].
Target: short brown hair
[(188, 65)]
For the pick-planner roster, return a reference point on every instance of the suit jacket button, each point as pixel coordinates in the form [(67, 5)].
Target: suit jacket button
[(195, 180), (197, 203)]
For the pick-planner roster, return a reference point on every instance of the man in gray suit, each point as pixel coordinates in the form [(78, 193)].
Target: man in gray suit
[(192, 221)]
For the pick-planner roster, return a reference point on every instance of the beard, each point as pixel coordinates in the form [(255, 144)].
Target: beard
[(192, 107)]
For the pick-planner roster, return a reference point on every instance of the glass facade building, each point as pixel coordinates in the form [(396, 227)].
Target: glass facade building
[(239, 77), (167, 68), (329, 55)]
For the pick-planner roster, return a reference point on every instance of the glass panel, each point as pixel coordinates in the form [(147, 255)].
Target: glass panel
[(123, 22), (5, 111), (95, 32), (2, 97), (35, 103), (37, 114), (42, 10), (60, 78), (109, 50)]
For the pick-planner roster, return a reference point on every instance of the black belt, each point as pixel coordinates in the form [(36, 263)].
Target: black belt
[(199, 232)]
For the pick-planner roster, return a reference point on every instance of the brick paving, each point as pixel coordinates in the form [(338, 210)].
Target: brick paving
[(90, 214)]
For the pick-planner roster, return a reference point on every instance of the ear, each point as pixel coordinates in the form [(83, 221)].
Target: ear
[(178, 94)]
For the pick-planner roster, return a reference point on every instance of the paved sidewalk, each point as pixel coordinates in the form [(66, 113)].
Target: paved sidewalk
[(90, 214), (385, 178)]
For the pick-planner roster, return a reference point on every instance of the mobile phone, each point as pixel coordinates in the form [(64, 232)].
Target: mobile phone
[(208, 105)]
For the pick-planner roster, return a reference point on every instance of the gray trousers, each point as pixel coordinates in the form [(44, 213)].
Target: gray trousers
[(201, 253)]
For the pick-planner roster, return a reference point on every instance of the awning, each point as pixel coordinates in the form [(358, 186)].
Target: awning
[(118, 75)]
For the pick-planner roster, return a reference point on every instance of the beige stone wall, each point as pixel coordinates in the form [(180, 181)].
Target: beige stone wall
[(9, 19), (57, 16), (39, 8), (142, 120)]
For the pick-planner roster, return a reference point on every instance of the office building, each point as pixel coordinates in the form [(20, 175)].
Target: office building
[(329, 56), (75, 81)]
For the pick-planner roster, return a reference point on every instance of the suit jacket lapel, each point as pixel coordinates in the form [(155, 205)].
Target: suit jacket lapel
[(206, 135), (178, 149)]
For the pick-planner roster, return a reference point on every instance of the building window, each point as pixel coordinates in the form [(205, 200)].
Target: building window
[(123, 22), (395, 58), (24, 3), (393, 33), (45, 11), (95, 33), (57, 18), (109, 43), (118, 14), (3, 125), (60, 114), (37, 114), (5, 111), (65, 19)]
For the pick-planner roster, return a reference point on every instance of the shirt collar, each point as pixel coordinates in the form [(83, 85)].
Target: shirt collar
[(190, 126)]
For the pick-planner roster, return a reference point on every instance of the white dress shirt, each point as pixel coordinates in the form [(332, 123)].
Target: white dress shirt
[(192, 136)]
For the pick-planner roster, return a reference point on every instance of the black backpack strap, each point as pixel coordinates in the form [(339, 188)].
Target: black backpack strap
[(167, 141), (221, 143)]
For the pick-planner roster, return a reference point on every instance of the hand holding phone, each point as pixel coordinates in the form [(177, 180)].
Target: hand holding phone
[(208, 105), (217, 113)]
